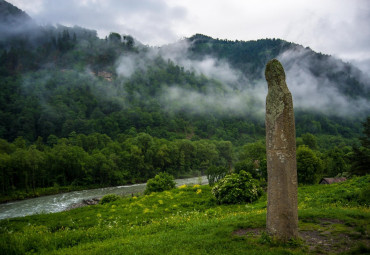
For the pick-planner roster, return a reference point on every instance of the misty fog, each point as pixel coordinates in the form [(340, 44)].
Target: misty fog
[(237, 94)]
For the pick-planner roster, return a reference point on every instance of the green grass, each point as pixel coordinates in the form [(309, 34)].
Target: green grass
[(189, 221)]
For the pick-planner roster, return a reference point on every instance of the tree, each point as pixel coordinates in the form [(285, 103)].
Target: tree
[(361, 155), (5, 173), (309, 166), (18, 161), (360, 160), (253, 151), (129, 40), (237, 188), (365, 140), (67, 164), (253, 160), (161, 182), (114, 37), (215, 173), (336, 162), (35, 163), (206, 154), (225, 151), (309, 140)]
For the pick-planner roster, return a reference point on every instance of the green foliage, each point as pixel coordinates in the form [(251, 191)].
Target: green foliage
[(46, 91), (214, 174), (253, 151), (365, 140), (188, 220), (258, 168), (161, 182), (252, 159), (97, 160), (309, 140), (99, 127), (361, 155), (353, 192), (336, 161), (309, 166), (108, 199), (114, 37), (237, 188), (360, 160)]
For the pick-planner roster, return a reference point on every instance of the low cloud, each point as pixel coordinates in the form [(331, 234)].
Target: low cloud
[(242, 96), (149, 21), (318, 92), (229, 91)]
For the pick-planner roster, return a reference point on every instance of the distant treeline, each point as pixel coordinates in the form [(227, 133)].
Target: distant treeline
[(82, 160), (98, 160)]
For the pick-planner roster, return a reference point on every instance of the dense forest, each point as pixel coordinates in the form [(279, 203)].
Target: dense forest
[(79, 110)]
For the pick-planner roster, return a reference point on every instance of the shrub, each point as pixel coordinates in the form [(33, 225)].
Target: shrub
[(309, 165), (161, 182), (109, 198), (214, 174), (237, 188), (258, 168)]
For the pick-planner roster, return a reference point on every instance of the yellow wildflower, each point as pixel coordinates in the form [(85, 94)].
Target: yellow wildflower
[(196, 186), (182, 186), (199, 191)]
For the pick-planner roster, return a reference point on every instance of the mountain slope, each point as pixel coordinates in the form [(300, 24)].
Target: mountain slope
[(62, 80), (250, 57), (13, 22), (11, 15)]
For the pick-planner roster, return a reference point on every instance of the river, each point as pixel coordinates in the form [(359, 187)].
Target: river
[(60, 202)]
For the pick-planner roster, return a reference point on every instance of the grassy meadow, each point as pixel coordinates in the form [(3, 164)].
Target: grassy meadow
[(187, 220)]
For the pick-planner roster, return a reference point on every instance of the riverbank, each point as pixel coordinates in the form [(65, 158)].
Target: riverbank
[(63, 201), (38, 192), (333, 219), (18, 195)]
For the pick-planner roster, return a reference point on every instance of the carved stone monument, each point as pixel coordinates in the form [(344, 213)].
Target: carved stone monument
[(282, 205)]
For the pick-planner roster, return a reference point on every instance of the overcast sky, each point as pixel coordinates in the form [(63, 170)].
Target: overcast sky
[(336, 27)]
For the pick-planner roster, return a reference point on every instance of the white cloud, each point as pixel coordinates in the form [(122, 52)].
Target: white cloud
[(336, 27), (310, 22), (318, 92), (241, 96)]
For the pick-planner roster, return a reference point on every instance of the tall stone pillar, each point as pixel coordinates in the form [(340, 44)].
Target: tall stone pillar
[(282, 205)]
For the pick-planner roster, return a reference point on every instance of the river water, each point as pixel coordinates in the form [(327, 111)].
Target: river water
[(60, 202)]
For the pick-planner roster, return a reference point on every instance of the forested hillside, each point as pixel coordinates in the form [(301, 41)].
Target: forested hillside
[(63, 87)]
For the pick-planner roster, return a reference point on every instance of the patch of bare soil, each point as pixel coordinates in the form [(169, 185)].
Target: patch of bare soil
[(327, 221), (320, 243), (323, 241), (248, 232)]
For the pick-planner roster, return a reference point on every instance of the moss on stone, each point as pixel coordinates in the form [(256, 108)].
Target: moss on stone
[(274, 71), (277, 90)]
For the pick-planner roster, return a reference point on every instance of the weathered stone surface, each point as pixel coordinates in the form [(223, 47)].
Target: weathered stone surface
[(282, 205)]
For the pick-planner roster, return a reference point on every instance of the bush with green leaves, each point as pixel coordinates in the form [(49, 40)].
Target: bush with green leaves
[(237, 188), (309, 165), (161, 182), (109, 198), (215, 173)]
